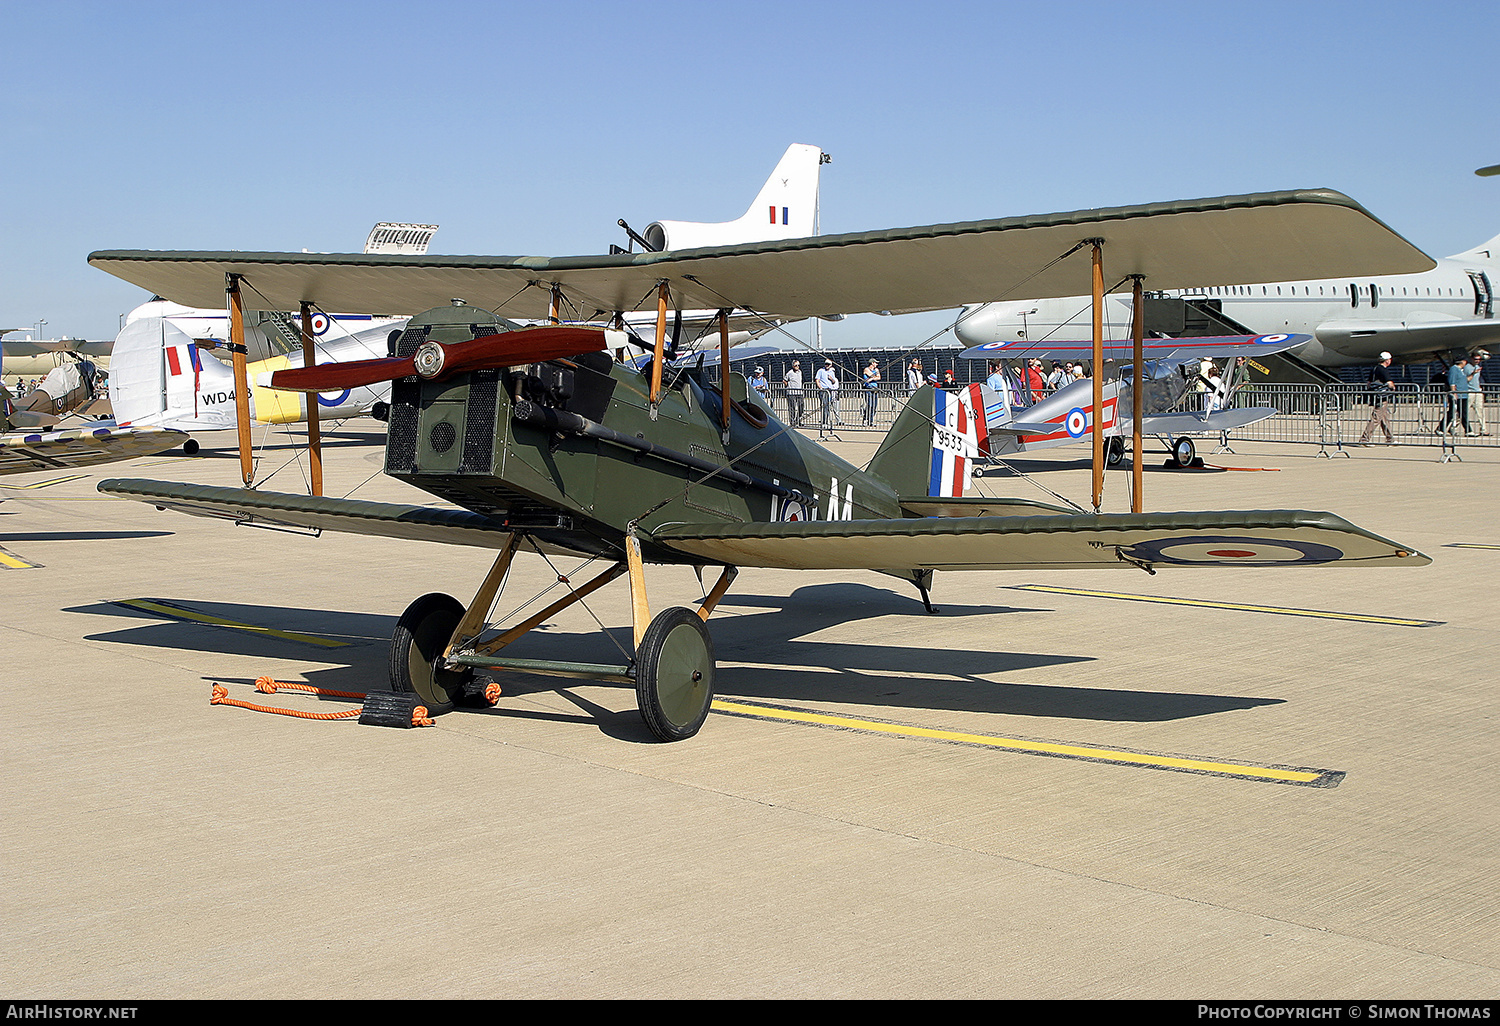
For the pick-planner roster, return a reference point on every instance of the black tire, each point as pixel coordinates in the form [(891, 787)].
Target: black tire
[(1114, 451), (417, 647), (1184, 452), (674, 674), (190, 447)]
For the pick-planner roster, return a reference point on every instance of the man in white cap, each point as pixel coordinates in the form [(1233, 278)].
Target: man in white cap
[(1381, 394), (1475, 373)]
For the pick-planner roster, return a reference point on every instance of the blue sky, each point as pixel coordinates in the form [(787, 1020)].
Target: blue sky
[(530, 128)]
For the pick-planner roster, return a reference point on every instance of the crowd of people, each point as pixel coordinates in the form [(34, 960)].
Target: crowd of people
[(1463, 392), (1029, 381), (1023, 385)]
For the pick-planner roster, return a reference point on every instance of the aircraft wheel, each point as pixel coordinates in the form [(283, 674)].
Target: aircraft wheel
[(1114, 451), (190, 447), (417, 647), (674, 674), (1183, 452)]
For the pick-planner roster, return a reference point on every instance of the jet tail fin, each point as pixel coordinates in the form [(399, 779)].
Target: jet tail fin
[(785, 208), (1484, 251)]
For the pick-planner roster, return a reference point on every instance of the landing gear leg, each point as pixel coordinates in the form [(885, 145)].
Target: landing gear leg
[(923, 580), (674, 656)]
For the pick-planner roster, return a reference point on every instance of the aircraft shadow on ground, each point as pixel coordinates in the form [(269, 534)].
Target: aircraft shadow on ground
[(795, 668), (366, 635), (49, 536), (327, 440), (892, 676)]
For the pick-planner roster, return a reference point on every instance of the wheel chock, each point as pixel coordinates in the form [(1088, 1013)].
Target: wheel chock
[(394, 709)]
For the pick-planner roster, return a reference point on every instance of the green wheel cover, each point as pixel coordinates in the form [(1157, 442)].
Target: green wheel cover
[(674, 682)]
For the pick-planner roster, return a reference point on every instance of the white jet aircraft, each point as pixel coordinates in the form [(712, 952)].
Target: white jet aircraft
[(1415, 316)]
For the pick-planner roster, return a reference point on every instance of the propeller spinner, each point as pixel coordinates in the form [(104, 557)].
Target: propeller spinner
[(436, 360)]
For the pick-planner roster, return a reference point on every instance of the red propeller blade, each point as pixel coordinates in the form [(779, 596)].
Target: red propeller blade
[(334, 377), (507, 349), (515, 348)]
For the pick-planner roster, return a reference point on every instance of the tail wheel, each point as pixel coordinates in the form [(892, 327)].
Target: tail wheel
[(674, 674), (1183, 452), (417, 647)]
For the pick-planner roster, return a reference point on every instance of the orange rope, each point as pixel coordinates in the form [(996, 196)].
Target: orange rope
[(221, 697), (266, 685)]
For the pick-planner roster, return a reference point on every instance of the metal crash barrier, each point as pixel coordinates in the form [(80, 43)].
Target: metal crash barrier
[(1337, 415)]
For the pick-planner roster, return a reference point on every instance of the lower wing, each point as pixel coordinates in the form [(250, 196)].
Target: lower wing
[(1273, 538)]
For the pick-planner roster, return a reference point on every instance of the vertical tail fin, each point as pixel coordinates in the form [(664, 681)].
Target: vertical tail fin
[(937, 437), (785, 208), (787, 205)]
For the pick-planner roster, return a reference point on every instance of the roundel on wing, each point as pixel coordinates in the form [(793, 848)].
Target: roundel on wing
[(1272, 339), (995, 345), (338, 398), (1228, 550), (320, 323)]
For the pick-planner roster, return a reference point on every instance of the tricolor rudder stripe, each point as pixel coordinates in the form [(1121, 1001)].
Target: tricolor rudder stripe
[(959, 435)]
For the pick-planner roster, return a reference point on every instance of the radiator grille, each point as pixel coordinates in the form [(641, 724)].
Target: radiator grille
[(479, 418)]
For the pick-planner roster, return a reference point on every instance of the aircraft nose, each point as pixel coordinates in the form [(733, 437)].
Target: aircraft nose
[(982, 324)]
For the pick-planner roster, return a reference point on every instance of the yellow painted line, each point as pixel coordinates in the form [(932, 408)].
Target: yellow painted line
[(44, 484), (1119, 756), (10, 561), (1469, 545), (173, 611), (1243, 607)]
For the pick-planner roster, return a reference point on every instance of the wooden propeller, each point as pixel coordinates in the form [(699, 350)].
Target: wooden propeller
[(437, 361)]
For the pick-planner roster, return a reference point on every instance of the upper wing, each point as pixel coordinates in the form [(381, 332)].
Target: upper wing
[(1278, 236), (1272, 538), (1216, 347), (21, 452)]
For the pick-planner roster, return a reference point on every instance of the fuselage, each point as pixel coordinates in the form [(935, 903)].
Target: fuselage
[(1351, 321)]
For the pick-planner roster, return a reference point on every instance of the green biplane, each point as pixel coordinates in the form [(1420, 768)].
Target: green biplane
[(557, 438)]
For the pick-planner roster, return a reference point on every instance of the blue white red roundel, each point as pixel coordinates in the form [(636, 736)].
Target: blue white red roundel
[(1229, 550), (1076, 423)]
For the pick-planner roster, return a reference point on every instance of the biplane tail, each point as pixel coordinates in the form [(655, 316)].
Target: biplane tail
[(939, 436)]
